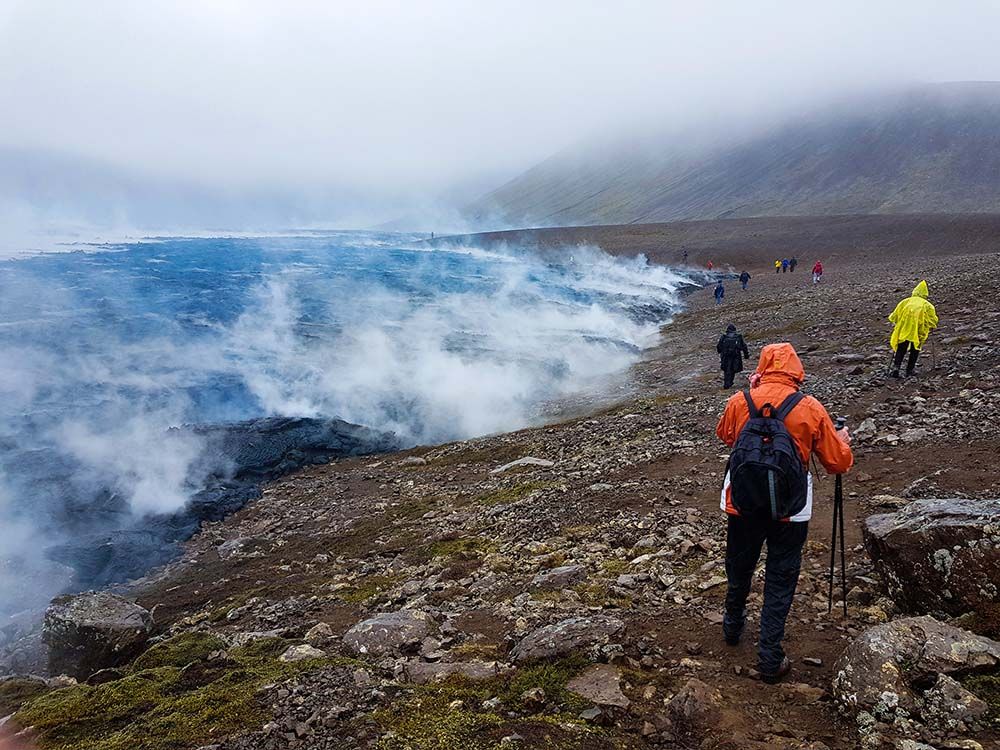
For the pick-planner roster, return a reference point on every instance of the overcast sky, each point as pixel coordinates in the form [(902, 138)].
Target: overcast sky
[(421, 95)]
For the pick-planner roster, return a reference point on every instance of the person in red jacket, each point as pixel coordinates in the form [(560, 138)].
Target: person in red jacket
[(779, 374), (817, 272)]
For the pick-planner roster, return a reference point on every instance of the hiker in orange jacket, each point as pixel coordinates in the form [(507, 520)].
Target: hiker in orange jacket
[(779, 375)]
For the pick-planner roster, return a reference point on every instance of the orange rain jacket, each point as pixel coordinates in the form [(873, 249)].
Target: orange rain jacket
[(781, 373)]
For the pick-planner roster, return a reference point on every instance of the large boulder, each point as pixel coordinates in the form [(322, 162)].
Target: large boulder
[(390, 633), (938, 556), (567, 637), (900, 674), (94, 630)]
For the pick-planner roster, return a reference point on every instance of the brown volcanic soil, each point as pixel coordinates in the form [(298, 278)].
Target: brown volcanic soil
[(756, 242), (340, 542)]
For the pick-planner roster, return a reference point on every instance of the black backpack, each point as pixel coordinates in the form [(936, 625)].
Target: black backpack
[(730, 345), (767, 478)]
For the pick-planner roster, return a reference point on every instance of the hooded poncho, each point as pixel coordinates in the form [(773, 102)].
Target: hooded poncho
[(913, 319)]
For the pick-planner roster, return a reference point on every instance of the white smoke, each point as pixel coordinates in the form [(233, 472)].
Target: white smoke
[(426, 363)]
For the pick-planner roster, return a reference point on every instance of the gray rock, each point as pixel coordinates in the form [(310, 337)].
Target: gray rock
[(559, 578), (567, 636), (90, 631), (879, 672), (600, 684), (422, 672), (694, 705), (301, 652), (938, 555), (389, 633), (319, 634), (526, 461)]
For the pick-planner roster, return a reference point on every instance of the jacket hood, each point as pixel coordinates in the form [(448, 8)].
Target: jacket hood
[(780, 363), (730, 328), (920, 290)]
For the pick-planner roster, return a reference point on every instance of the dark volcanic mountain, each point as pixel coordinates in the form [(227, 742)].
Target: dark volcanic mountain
[(931, 149)]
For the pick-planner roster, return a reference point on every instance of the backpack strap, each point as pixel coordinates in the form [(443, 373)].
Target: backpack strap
[(751, 407), (787, 405)]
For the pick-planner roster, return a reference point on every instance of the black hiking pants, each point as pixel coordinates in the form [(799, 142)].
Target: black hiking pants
[(728, 376), (744, 540), (911, 363)]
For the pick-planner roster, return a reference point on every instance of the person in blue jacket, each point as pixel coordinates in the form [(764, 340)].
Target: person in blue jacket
[(720, 292)]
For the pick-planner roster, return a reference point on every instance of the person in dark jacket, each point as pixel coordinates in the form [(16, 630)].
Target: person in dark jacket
[(720, 292), (792, 263), (732, 349), (744, 280)]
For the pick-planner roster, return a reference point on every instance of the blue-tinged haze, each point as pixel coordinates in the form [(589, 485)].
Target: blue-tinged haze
[(107, 348)]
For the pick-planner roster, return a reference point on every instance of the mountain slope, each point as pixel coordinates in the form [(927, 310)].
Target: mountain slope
[(933, 149)]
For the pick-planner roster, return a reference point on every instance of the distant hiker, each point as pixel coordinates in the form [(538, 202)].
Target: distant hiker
[(913, 320), (744, 280), (777, 266), (720, 292), (710, 266), (732, 349), (685, 256), (432, 235), (800, 425), (792, 263), (784, 265), (817, 272)]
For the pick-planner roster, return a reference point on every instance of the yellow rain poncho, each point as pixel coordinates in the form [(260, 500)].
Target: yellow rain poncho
[(913, 319)]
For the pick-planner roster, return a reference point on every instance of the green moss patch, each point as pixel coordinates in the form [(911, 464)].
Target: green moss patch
[(16, 691), (451, 714), (179, 651), (368, 587), (508, 495), (987, 687), (163, 707)]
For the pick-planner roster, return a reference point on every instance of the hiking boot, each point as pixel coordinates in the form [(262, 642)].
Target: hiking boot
[(772, 678), (733, 632), (894, 374), (911, 374)]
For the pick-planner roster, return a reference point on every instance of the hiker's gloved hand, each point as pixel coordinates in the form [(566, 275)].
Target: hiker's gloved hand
[(844, 434)]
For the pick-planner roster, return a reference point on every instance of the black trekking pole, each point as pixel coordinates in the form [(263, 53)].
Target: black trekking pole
[(838, 523)]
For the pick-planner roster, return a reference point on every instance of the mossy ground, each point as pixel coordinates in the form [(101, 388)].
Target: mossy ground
[(507, 495), (161, 705), (16, 691), (368, 587), (451, 714), (987, 687)]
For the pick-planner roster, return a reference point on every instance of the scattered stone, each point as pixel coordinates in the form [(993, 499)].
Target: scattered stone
[(90, 631), (938, 555), (422, 672), (695, 704), (301, 652), (413, 461), (812, 661), (565, 637), (389, 633), (879, 673), (533, 698), (559, 578), (600, 684), (319, 634), (526, 461)]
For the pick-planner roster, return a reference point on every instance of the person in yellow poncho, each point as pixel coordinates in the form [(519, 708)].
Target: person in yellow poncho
[(913, 320)]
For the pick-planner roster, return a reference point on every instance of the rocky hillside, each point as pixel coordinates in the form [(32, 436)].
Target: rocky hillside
[(931, 149), (562, 587)]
